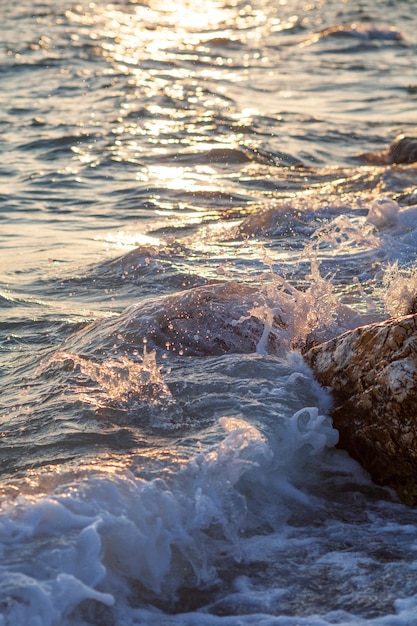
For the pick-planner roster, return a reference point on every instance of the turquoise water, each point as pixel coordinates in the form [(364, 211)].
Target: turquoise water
[(185, 200)]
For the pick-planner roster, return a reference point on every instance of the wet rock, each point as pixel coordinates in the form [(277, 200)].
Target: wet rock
[(372, 371), (402, 150)]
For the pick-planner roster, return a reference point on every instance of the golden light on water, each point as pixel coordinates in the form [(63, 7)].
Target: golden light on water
[(182, 177), (156, 47), (166, 55), (194, 16), (158, 25), (121, 240)]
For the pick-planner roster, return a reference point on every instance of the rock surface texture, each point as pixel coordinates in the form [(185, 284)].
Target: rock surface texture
[(372, 371)]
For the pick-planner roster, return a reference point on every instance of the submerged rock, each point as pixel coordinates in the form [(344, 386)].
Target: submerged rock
[(372, 371)]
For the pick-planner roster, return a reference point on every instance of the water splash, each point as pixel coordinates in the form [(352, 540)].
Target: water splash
[(123, 383), (399, 290), (300, 312), (315, 312), (348, 234)]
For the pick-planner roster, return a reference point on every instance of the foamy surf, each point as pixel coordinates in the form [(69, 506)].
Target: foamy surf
[(155, 538), (222, 534)]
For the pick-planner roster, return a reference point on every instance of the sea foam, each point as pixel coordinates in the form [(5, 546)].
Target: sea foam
[(108, 537)]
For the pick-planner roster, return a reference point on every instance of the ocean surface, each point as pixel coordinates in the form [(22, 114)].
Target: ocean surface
[(189, 193)]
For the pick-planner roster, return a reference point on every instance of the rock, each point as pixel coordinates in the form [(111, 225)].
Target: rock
[(402, 150), (372, 371)]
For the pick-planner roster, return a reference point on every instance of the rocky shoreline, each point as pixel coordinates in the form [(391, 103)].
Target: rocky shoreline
[(372, 372)]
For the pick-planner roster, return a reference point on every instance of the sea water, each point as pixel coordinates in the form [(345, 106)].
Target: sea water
[(190, 193)]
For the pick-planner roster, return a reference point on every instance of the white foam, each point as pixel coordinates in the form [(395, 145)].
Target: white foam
[(258, 496), (104, 534), (26, 601), (383, 213)]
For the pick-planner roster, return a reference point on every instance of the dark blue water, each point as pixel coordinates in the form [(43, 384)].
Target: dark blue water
[(189, 193)]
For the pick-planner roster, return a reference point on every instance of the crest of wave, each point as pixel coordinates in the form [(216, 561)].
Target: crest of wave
[(268, 316), (122, 537)]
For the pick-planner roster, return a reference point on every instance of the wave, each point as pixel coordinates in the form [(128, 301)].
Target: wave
[(358, 30), (157, 540)]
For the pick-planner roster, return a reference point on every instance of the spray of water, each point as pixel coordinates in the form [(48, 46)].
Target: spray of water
[(398, 291), (122, 382), (315, 311), (301, 312)]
